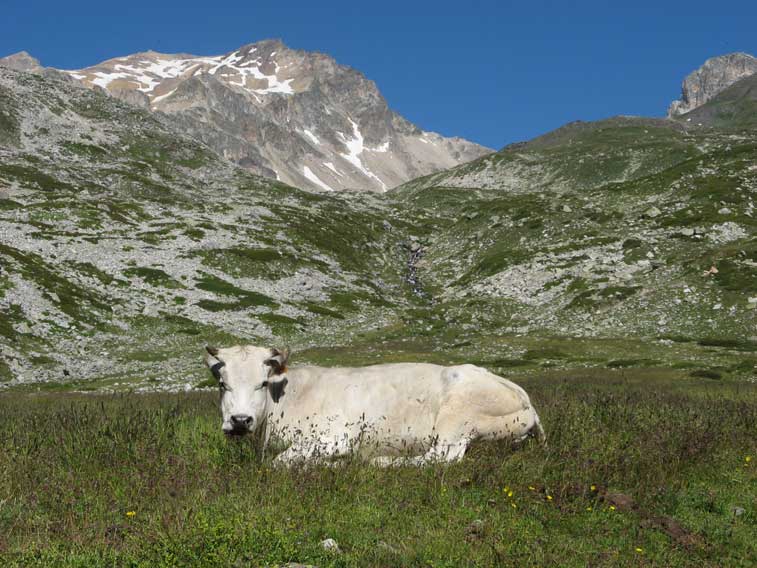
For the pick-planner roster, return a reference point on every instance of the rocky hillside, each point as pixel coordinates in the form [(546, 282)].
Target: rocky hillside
[(624, 226), (734, 108), (290, 115), (579, 154), (713, 77), (127, 245)]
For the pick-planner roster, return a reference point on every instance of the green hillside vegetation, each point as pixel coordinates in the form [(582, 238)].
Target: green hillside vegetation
[(598, 258), (735, 108)]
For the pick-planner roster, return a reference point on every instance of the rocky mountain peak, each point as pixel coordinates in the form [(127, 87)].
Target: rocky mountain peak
[(21, 61), (715, 75), (298, 116)]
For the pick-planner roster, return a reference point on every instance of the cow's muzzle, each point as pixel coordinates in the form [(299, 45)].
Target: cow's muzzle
[(241, 424)]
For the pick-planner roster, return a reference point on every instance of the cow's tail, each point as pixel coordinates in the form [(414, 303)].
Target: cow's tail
[(538, 431)]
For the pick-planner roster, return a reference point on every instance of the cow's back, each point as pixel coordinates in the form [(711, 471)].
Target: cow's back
[(399, 395), (387, 392)]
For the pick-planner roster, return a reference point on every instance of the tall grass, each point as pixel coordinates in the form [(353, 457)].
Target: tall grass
[(638, 471)]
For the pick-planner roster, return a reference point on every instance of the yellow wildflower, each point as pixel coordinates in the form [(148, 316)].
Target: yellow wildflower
[(531, 488), (588, 508), (639, 549), (593, 487), (549, 497), (505, 489), (748, 459), (612, 507), (509, 493), (130, 513), (513, 505)]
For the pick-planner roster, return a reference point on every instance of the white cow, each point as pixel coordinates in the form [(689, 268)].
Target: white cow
[(408, 412)]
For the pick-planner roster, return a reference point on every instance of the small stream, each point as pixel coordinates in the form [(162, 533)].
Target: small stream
[(412, 278)]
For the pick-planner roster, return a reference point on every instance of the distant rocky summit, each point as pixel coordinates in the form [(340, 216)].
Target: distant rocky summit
[(295, 116), (716, 75), (21, 61)]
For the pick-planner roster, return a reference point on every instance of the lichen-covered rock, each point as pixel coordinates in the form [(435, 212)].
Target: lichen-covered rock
[(652, 212), (330, 544)]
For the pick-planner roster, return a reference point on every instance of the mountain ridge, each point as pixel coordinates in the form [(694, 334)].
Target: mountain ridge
[(293, 115)]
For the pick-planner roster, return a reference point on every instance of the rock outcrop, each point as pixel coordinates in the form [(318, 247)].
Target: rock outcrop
[(716, 75), (21, 61)]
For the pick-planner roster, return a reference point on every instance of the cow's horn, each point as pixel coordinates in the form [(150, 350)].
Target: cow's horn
[(211, 350), (278, 360), (284, 356)]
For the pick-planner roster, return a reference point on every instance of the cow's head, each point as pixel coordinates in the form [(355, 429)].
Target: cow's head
[(250, 378)]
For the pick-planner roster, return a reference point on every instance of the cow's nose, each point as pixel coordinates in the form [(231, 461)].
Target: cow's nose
[(241, 421)]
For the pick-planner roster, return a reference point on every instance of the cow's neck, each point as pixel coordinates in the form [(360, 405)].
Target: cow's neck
[(281, 406)]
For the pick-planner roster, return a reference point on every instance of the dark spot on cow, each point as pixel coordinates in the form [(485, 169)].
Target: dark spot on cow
[(277, 389)]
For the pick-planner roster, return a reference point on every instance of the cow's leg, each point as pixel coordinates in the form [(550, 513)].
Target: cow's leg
[(456, 451), (329, 452), (387, 461), (453, 433), (443, 451), (315, 452), (293, 455)]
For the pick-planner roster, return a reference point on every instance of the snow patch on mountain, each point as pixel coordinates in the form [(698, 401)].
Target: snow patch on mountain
[(330, 166), (161, 97), (308, 173), (153, 68), (355, 147), (383, 148)]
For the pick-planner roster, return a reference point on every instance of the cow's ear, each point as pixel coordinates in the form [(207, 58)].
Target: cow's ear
[(277, 388), (278, 361)]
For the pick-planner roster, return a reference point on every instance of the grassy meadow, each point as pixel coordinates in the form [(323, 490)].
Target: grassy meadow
[(644, 467)]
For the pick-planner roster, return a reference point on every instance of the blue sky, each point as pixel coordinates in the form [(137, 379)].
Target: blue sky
[(491, 71)]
